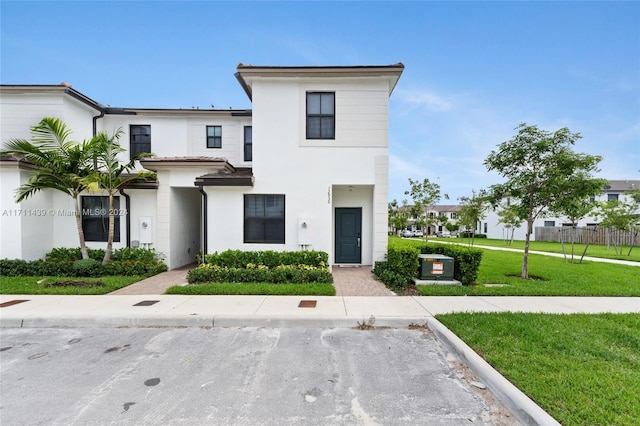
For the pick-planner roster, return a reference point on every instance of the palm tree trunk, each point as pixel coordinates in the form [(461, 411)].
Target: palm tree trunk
[(107, 252), (83, 244)]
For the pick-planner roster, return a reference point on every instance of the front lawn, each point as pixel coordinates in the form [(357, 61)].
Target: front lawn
[(550, 276), (581, 369), (592, 251), (64, 285), (280, 289)]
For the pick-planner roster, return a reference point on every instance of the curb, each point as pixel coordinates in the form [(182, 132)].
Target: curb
[(181, 321), (522, 407)]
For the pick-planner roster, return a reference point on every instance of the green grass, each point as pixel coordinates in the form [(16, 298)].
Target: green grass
[(552, 277), (307, 289), (592, 251), (37, 285), (581, 369)]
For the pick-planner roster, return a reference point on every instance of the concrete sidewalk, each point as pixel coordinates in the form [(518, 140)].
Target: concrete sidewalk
[(277, 311)]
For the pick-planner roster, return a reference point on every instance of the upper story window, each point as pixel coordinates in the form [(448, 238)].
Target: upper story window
[(139, 139), (248, 143), (321, 118), (612, 197), (454, 215), (214, 136)]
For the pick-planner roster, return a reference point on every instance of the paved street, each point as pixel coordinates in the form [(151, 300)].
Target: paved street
[(239, 376)]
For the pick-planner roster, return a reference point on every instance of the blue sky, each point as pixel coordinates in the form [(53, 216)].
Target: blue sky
[(474, 70)]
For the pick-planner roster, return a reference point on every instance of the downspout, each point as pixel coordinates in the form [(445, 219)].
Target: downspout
[(127, 203), (95, 126), (204, 220)]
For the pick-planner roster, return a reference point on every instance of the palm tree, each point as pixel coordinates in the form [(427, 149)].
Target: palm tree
[(111, 175), (61, 164)]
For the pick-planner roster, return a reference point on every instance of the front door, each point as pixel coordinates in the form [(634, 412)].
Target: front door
[(348, 235)]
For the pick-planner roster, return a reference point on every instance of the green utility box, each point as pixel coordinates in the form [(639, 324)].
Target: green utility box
[(435, 267)]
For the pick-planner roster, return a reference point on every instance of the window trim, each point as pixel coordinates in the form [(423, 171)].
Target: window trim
[(248, 145), (102, 214), (320, 115), (132, 143), (216, 140), (265, 219)]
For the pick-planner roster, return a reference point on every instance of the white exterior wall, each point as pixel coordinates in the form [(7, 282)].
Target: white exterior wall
[(183, 135), (307, 171)]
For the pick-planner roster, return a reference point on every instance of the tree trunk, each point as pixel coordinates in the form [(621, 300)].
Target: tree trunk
[(525, 259), (83, 244), (107, 252)]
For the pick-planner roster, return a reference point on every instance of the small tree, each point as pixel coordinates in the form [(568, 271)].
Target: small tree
[(425, 195), (472, 210), (61, 164), (110, 175), (398, 215), (576, 204), (510, 221), (540, 167), (621, 216)]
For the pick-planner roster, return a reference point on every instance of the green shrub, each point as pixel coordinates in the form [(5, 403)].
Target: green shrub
[(87, 268), (259, 273), (400, 268), (268, 258), (469, 234), (68, 262), (466, 260)]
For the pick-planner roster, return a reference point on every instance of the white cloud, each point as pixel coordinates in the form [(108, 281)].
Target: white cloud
[(424, 98)]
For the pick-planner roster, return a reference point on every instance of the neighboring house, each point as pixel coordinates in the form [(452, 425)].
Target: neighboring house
[(305, 169), (448, 211), (615, 191)]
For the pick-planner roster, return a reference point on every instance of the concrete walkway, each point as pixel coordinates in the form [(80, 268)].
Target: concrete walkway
[(544, 253), (348, 281)]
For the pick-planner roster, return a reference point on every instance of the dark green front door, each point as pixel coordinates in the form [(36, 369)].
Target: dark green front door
[(348, 235)]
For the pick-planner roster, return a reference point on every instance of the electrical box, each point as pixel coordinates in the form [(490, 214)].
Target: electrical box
[(434, 267), (146, 230), (304, 235)]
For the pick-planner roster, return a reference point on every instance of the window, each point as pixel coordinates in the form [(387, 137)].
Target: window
[(248, 143), (321, 115), (264, 219), (612, 197), (140, 139), (214, 136), (454, 216), (95, 218), (549, 223), (485, 227)]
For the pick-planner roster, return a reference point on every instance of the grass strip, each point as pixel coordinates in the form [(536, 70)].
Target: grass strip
[(582, 369), (284, 289), (550, 276), (47, 285), (592, 251)]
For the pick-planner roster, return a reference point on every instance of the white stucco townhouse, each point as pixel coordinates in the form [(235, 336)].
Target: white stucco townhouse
[(305, 168)]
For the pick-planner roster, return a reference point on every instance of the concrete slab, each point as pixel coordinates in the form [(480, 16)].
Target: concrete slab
[(384, 307), (436, 305)]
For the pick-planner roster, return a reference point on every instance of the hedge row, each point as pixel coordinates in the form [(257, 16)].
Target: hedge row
[(469, 234), (402, 264), (268, 258), (466, 260), (64, 254), (259, 273), (65, 262)]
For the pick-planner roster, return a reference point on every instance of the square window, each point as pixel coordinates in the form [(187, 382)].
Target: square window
[(264, 219), (321, 118), (214, 136), (95, 218), (612, 197)]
